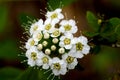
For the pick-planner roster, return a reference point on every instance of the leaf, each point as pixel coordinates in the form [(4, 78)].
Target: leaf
[(53, 4), (29, 74), (93, 21), (8, 49), (3, 17), (35, 74), (44, 76), (90, 34), (108, 32), (114, 21), (96, 49), (9, 73), (26, 20)]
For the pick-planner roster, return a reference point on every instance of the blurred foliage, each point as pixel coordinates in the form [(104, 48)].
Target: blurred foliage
[(115, 3), (102, 32), (105, 41), (53, 4), (107, 56), (37, 74), (3, 17), (8, 50), (9, 73)]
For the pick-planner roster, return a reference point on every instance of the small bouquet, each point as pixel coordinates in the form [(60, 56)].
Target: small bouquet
[(52, 46)]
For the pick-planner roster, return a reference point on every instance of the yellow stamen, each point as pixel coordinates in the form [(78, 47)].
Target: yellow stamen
[(45, 60), (54, 15), (70, 59), (67, 27), (79, 46), (35, 27), (48, 26), (34, 55), (57, 66), (56, 33), (67, 41), (32, 43)]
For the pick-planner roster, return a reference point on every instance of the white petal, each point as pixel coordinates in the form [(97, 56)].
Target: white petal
[(58, 10), (86, 49), (68, 46), (31, 62), (79, 55), (45, 66), (72, 22), (61, 44), (56, 72), (63, 71)]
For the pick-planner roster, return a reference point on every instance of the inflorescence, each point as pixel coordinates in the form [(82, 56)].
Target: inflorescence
[(52, 45)]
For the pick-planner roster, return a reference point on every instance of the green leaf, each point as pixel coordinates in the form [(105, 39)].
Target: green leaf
[(93, 21), (9, 73), (26, 20), (44, 74), (3, 17), (117, 31), (8, 49), (108, 32), (96, 49), (90, 34), (114, 21), (29, 74), (53, 4), (111, 29), (106, 58), (35, 74)]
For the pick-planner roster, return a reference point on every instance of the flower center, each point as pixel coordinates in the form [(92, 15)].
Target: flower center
[(54, 15), (70, 59), (34, 55), (39, 36), (35, 27), (79, 46), (67, 27), (48, 26), (56, 33), (57, 66), (67, 41), (45, 60), (32, 42)]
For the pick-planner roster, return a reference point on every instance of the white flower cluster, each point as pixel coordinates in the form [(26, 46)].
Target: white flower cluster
[(52, 44)]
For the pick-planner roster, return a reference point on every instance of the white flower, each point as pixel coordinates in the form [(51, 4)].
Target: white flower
[(55, 16), (37, 35), (48, 26), (81, 47), (55, 40), (61, 50), (47, 51), (70, 60), (40, 47), (33, 56), (58, 66), (66, 41), (68, 26), (31, 42), (36, 26), (53, 47), (44, 43), (56, 33), (46, 35), (44, 61)]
